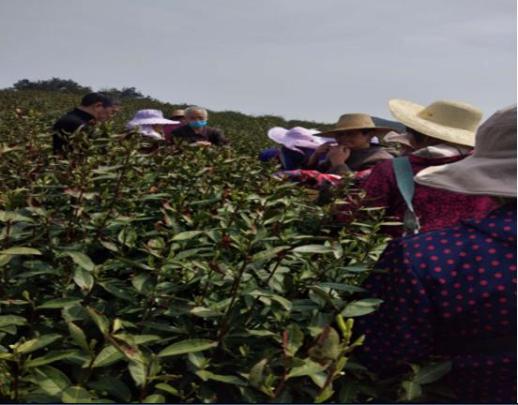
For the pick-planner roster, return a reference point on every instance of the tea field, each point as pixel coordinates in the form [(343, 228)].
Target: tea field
[(183, 275)]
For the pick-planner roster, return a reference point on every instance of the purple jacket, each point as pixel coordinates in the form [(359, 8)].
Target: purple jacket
[(450, 293)]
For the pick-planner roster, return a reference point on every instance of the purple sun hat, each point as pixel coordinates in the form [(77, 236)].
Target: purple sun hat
[(149, 117)]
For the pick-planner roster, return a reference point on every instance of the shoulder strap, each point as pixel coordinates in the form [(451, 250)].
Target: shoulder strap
[(405, 182), (404, 179)]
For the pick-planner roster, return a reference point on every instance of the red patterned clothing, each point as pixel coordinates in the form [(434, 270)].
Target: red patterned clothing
[(450, 293), (434, 207)]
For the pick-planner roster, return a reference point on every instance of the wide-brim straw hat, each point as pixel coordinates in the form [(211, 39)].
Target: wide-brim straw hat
[(450, 121), (354, 122), (297, 137), (178, 113), (149, 117), (491, 170), (395, 137)]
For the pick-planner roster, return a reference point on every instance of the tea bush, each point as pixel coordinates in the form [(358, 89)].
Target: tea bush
[(182, 275)]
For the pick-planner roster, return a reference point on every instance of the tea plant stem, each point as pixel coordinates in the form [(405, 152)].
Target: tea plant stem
[(115, 193), (7, 233), (254, 303), (233, 292), (73, 218), (16, 380)]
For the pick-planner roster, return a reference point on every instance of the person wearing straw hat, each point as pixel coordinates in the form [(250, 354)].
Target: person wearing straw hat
[(177, 115), (451, 293), (149, 123), (442, 132), (405, 142), (297, 145), (353, 150)]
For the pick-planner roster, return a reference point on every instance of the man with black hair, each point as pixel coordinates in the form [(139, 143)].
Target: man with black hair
[(95, 107)]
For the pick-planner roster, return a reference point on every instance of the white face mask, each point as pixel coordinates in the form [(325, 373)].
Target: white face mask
[(147, 130)]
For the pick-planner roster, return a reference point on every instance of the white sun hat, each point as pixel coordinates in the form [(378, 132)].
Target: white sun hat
[(297, 137), (491, 170), (450, 121), (149, 117)]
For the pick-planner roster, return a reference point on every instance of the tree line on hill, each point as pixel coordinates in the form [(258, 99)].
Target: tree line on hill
[(70, 86)]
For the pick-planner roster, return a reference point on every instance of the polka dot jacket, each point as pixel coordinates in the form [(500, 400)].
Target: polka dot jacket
[(450, 292)]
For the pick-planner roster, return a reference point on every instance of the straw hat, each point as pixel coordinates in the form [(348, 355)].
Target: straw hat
[(149, 117), (491, 170), (404, 139), (450, 121), (297, 137), (354, 122), (178, 113)]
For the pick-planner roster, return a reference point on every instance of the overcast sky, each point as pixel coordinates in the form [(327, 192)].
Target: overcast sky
[(307, 59)]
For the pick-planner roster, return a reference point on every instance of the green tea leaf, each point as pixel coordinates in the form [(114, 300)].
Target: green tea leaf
[(314, 249), (295, 340), (138, 372), (186, 235), (100, 320), (256, 375), (78, 335), (51, 380), (19, 250), (169, 389), (107, 356), (187, 346), (309, 367), (10, 216), (37, 343), (411, 391), (113, 386), (81, 260), (342, 287), (6, 320), (154, 399), (76, 395), (324, 395), (269, 253), (48, 358), (227, 379), (83, 279), (59, 303), (432, 372), (361, 307)]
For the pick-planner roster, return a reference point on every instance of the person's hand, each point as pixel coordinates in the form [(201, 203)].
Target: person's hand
[(324, 148), (320, 151), (338, 155)]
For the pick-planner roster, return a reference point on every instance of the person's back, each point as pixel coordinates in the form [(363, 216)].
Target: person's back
[(453, 294), (434, 207), (446, 138)]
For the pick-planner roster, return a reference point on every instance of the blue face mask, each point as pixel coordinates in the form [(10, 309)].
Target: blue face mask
[(198, 124)]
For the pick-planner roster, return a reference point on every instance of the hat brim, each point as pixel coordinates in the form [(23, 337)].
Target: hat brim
[(473, 175), (277, 134), (280, 135), (407, 112), (152, 121), (376, 131)]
